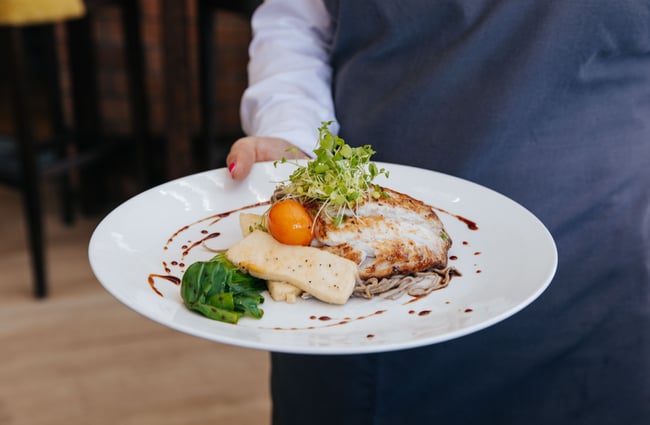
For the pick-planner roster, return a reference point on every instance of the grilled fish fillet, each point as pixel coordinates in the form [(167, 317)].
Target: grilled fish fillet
[(390, 235)]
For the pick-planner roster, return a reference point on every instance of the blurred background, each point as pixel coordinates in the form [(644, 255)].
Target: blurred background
[(100, 100)]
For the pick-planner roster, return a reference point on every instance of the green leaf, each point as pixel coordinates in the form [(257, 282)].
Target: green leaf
[(339, 177), (225, 300), (250, 306), (220, 291), (217, 313)]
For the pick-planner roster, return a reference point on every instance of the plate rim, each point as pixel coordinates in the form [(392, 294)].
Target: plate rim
[(335, 349)]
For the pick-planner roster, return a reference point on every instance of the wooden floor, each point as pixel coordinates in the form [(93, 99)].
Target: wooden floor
[(81, 357)]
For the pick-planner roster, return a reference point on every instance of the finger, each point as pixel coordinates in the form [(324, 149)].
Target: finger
[(248, 150), (241, 158)]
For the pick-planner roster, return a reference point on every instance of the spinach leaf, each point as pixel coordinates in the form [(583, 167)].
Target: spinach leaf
[(219, 290)]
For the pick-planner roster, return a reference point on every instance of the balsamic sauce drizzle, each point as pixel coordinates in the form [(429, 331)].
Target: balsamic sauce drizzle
[(213, 219), (337, 322), (471, 225)]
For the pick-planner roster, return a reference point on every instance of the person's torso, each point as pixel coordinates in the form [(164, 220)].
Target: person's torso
[(548, 102)]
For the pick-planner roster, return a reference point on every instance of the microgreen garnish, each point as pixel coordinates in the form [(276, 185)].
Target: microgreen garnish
[(339, 177)]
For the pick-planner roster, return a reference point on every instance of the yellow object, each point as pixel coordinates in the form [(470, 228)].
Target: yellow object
[(29, 12), (279, 290), (320, 273)]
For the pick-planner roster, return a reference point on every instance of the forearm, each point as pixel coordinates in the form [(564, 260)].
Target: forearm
[(289, 91)]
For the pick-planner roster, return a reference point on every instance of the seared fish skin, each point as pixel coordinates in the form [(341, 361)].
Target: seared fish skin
[(391, 235)]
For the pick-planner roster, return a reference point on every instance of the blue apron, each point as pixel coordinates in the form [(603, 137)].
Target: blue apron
[(547, 102)]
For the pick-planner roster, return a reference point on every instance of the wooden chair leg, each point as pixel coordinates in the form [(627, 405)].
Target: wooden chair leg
[(176, 62), (207, 77), (28, 160), (87, 121), (135, 60), (59, 127)]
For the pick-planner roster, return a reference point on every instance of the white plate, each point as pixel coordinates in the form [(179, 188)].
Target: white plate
[(505, 264)]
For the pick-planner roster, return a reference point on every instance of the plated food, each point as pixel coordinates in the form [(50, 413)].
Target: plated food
[(141, 250), (331, 233)]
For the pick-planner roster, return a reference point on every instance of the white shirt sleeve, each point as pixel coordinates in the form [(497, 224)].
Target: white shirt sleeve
[(289, 93)]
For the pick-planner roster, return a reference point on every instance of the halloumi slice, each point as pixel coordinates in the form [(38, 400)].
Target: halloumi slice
[(280, 291), (323, 275), (283, 291)]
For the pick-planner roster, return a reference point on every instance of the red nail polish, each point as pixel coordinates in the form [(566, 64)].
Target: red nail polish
[(231, 167)]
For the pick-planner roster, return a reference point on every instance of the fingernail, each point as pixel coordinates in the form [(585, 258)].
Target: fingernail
[(231, 167)]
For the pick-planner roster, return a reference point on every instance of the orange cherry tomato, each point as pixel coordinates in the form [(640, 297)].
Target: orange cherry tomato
[(290, 223)]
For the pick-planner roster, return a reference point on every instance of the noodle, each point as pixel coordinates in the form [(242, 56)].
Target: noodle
[(415, 285)]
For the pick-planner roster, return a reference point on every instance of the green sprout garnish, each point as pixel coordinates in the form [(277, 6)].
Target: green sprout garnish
[(339, 177)]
